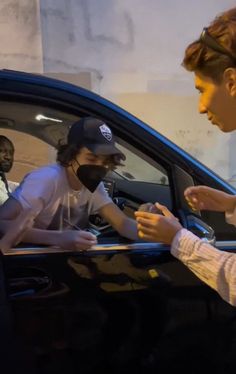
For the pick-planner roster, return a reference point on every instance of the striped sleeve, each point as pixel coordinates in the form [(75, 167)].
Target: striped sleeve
[(214, 267)]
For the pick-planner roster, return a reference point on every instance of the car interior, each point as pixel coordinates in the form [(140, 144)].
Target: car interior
[(139, 180), (142, 178)]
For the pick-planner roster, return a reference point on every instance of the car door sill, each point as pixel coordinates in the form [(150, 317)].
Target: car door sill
[(117, 247), (226, 244)]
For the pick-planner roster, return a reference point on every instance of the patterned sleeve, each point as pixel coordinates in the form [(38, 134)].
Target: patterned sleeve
[(214, 267)]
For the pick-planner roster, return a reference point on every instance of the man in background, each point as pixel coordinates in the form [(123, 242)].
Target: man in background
[(6, 161)]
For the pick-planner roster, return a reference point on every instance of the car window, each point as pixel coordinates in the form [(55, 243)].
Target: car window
[(140, 179), (46, 123), (35, 130), (139, 167)]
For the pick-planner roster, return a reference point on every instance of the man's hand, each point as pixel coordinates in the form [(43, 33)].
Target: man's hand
[(206, 198), (76, 240), (157, 227), (149, 207)]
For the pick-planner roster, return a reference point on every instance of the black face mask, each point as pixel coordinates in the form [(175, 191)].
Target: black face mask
[(91, 175)]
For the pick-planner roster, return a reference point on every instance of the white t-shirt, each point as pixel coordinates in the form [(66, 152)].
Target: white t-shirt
[(3, 191), (47, 192)]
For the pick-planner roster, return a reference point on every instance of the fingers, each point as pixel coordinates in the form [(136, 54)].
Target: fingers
[(145, 236), (85, 240), (145, 220), (165, 211), (194, 191), (145, 207), (78, 240), (191, 196), (147, 215), (191, 190), (146, 231), (87, 235), (147, 224), (161, 229), (197, 197), (193, 203), (160, 208), (84, 244)]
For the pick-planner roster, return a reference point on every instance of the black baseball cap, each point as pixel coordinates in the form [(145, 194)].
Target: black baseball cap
[(95, 135)]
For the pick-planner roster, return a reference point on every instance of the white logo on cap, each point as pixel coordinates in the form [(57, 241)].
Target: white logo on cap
[(106, 132)]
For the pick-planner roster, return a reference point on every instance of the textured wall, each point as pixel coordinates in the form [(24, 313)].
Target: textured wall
[(130, 51), (20, 35), (134, 49)]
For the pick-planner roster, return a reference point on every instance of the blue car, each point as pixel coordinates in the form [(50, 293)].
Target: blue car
[(125, 305)]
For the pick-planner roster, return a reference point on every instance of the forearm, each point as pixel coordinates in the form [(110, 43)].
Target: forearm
[(17, 227), (230, 204), (230, 214), (129, 229), (38, 236), (13, 230), (119, 221), (214, 267), (5, 225)]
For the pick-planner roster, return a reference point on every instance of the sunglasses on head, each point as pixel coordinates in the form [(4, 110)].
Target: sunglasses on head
[(210, 42)]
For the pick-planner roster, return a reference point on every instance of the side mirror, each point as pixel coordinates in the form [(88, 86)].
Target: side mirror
[(199, 228)]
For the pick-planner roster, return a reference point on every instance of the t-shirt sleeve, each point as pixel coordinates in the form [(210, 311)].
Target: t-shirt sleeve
[(99, 199), (35, 191)]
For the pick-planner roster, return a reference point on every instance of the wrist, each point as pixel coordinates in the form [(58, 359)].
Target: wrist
[(230, 204), (175, 232), (56, 238)]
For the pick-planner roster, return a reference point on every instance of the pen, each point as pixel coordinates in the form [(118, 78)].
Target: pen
[(91, 230), (72, 225)]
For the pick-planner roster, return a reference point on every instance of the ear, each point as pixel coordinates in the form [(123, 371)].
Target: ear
[(229, 78)]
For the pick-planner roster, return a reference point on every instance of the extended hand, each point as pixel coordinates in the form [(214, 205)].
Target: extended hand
[(157, 227), (206, 198)]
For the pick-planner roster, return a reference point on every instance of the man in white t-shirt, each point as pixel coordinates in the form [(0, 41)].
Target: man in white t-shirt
[(64, 194)]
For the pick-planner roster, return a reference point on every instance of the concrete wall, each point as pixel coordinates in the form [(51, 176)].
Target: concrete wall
[(130, 51), (20, 35)]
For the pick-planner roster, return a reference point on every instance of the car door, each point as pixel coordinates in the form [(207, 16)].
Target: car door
[(66, 307)]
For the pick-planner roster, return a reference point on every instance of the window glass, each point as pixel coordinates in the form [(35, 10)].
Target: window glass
[(35, 131), (139, 167)]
